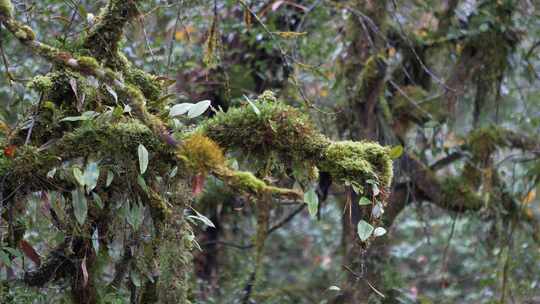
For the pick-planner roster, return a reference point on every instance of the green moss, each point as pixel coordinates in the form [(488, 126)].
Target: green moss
[(147, 83), (484, 141), (247, 182), (6, 8), (41, 83), (357, 161), (457, 194), (25, 33), (373, 72), (277, 128), (88, 63), (201, 154), (267, 96)]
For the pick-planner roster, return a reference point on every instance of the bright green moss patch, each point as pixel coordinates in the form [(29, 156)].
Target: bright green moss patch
[(247, 182), (25, 33), (357, 161), (147, 83), (41, 83), (88, 63), (276, 128), (6, 8)]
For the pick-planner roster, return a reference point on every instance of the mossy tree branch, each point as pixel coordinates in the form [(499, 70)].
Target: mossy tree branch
[(105, 37)]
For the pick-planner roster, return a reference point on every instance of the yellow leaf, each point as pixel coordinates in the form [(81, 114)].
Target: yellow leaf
[(529, 198), (183, 34), (323, 92), (4, 128), (290, 35), (391, 52)]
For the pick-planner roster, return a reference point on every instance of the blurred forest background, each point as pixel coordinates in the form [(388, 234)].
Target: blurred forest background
[(452, 86)]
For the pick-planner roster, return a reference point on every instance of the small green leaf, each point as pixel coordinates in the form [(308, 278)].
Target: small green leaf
[(135, 216), (91, 176), (5, 259), (173, 172), (80, 207), (364, 230), (95, 240), (112, 92), (312, 200), (51, 173), (97, 200), (142, 183), (396, 152), (85, 116), (199, 108), (375, 189), (143, 158), (379, 231), (135, 278), (110, 177), (202, 218), (79, 177), (364, 201), (180, 109), (253, 106)]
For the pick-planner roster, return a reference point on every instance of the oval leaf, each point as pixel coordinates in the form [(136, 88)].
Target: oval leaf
[(180, 109), (364, 201), (199, 108), (377, 210), (364, 230), (312, 200), (379, 231), (143, 158), (91, 176), (396, 152), (80, 208)]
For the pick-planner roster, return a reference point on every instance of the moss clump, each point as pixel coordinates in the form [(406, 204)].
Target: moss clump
[(57, 88), (6, 8), (357, 161), (276, 128), (115, 140), (147, 83), (247, 182), (374, 71), (88, 63), (267, 96), (25, 33), (201, 154), (41, 83), (484, 141), (458, 195)]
